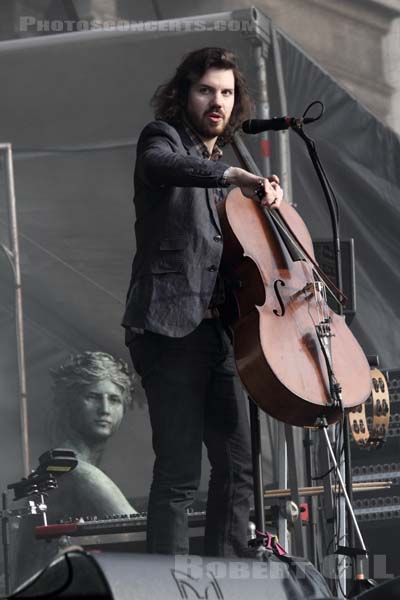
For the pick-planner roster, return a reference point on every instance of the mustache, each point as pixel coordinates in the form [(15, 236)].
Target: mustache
[(215, 112)]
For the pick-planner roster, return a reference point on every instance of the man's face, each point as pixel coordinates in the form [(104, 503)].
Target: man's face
[(210, 102), (98, 410)]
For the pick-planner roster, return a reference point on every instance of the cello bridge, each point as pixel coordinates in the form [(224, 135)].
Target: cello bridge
[(324, 328), (308, 290)]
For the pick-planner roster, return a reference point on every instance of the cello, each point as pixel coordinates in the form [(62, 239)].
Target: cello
[(296, 357)]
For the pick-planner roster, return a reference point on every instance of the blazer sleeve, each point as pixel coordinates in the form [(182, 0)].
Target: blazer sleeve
[(160, 161)]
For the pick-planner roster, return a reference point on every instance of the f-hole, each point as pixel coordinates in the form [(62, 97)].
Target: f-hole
[(282, 311)]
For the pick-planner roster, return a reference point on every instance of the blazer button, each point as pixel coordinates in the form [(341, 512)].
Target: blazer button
[(212, 268), (217, 238)]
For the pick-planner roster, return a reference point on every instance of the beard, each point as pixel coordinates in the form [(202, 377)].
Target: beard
[(205, 128)]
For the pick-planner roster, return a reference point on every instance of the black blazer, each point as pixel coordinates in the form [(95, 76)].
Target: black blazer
[(178, 236)]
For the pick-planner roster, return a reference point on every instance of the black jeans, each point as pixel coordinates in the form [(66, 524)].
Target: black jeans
[(194, 395)]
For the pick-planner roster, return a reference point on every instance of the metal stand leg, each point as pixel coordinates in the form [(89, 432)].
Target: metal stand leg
[(327, 516), (360, 554), (344, 491), (6, 543), (264, 542), (298, 545), (259, 505), (282, 471), (259, 508), (314, 552)]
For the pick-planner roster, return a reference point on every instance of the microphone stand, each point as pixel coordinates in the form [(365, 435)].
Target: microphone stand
[(363, 583)]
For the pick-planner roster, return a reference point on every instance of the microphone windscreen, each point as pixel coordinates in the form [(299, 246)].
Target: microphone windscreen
[(250, 126)]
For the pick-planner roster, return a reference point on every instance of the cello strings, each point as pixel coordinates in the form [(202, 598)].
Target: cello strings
[(280, 224)]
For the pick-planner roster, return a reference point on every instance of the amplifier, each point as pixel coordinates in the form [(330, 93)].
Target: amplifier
[(393, 379), (377, 512), (323, 250)]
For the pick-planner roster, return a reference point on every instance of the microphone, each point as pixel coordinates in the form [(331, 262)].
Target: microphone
[(275, 124)]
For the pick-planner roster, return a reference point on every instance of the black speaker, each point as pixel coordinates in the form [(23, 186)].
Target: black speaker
[(390, 590), (73, 574), (111, 576), (325, 256)]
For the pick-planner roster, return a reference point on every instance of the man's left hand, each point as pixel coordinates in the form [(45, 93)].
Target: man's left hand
[(273, 192)]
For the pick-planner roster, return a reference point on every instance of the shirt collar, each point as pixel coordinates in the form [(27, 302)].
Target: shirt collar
[(199, 146)]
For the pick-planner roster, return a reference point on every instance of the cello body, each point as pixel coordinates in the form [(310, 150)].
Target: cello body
[(272, 310)]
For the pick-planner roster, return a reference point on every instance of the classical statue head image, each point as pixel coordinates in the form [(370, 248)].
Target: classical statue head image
[(92, 392)]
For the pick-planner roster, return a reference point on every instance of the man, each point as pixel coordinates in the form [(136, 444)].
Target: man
[(176, 339)]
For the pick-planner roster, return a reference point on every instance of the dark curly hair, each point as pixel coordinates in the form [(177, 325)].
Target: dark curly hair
[(170, 99)]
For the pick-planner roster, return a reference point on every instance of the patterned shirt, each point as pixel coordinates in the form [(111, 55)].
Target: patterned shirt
[(218, 295)]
